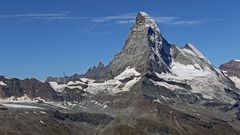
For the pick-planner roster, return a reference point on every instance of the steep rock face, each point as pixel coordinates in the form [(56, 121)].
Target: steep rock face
[(97, 73), (150, 54), (184, 73), (58, 79), (30, 87), (142, 49), (232, 69)]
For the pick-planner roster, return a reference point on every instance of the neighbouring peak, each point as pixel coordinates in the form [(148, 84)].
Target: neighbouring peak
[(232, 67), (231, 62), (144, 19), (188, 45), (100, 64), (96, 72), (98, 67), (192, 48), (93, 68), (128, 73)]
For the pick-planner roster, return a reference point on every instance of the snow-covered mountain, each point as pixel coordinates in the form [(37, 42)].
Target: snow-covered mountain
[(150, 87)]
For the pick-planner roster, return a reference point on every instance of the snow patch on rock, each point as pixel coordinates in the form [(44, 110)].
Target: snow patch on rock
[(166, 85), (20, 106), (57, 87), (201, 80), (26, 99), (115, 85), (2, 83), (236, 80), (71, 85), (188, 71), (237, 60), (129, 72)]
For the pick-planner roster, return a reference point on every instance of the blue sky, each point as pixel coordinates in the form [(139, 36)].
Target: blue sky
[(52, 37)]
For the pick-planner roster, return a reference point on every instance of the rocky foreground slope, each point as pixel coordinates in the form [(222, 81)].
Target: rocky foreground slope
[(152, 87)]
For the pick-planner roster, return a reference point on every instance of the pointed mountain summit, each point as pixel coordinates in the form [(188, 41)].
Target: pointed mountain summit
[(96, 72), (144, 19), (160, 69), (158, 61), (145, 49)]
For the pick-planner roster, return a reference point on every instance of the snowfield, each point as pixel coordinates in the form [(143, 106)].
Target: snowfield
[(115, 85), (20, 106), (236, 80), (188, 71), (26, 99), (2, 83), (71, 85), (201, 80)]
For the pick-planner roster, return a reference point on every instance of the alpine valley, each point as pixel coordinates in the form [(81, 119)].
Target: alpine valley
[(152, 87)]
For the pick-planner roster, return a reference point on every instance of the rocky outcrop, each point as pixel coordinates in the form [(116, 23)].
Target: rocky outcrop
[(97, 73), (33, 88), (232, 67)]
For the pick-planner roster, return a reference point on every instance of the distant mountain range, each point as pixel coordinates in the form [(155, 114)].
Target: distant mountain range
[(152, 87)]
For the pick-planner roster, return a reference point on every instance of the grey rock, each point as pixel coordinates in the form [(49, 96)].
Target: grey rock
[(143, 49), (97, 73), (232, 67)]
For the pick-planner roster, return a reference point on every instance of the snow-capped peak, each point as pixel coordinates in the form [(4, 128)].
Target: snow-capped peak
[(144, 19), (196, 52)]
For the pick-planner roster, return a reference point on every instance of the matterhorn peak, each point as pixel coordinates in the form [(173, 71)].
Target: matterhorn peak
[(142, 49), (144, 19)]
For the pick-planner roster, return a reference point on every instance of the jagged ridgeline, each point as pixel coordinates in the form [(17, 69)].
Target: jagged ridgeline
[(151, 87)]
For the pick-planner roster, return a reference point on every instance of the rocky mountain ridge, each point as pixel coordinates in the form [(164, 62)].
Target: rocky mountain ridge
[(232, 69)]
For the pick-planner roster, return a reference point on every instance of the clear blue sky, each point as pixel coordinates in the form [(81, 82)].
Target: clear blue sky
[(39, 38)]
